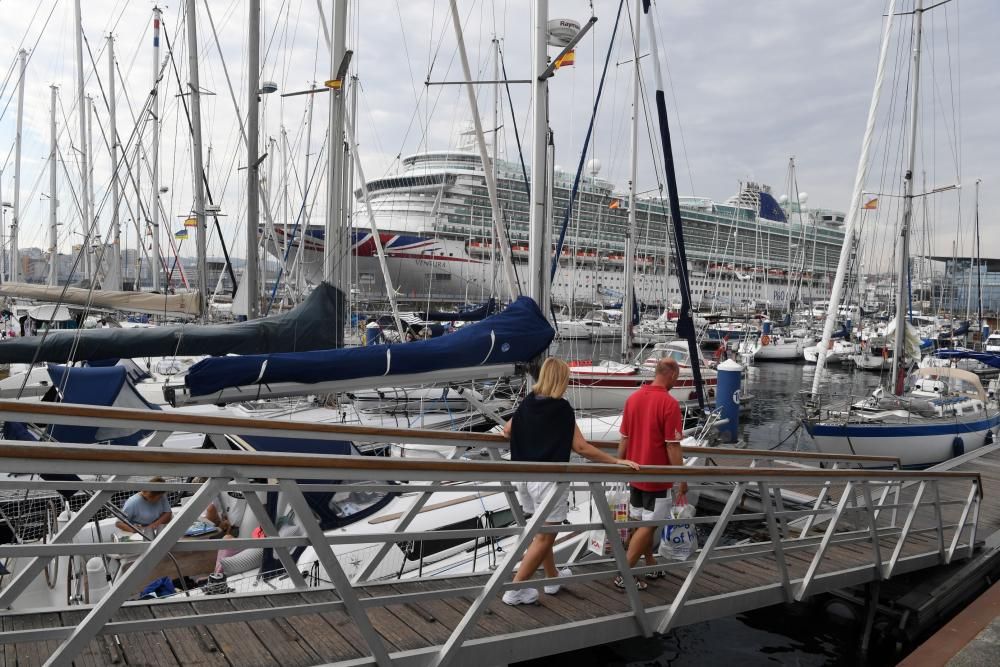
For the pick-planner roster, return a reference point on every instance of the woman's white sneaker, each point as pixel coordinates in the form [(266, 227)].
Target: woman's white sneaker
[(554, 588), (521, 596)]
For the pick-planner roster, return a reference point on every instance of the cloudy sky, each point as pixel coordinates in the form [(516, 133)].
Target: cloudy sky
[(750, 85)]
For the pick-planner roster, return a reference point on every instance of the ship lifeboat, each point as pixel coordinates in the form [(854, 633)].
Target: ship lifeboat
[(519, 251), (616, 260), (480, 247)]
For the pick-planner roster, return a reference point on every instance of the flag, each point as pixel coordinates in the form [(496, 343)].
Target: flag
[(871, 204), (191, 222), (182, 234), (566, 60), (615, 203)]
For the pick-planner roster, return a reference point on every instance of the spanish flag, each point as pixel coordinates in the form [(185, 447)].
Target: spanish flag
[(871, 204), (182, 234), (191, 222), (615, 203), (567, 59)]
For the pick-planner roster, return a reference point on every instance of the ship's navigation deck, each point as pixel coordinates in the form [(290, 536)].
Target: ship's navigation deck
[(867, 525)]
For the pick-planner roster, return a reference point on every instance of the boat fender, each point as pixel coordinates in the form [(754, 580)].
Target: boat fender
[(765, 339), (957, 447), (988, 440)]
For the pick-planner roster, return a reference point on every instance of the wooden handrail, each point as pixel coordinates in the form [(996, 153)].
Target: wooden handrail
[(387, 467), (178, 421), (181, 421)]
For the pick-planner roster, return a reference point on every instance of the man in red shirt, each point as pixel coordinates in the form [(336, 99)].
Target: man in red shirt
[(651, 431)]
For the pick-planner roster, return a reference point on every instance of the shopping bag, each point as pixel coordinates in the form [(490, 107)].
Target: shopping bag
[(679, 540), (600, 543)]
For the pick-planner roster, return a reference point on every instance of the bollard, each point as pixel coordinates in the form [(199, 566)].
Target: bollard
[(727, 398)]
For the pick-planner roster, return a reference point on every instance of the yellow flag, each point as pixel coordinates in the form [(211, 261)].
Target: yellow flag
[(567, 59)]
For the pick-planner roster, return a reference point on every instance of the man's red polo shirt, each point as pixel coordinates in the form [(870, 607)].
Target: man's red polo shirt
[(651, 417)]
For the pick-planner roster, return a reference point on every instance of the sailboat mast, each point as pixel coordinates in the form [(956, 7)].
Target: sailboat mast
[(81, 106), (334, 239), (488, 173), (853, 210), (251, 285), (53, 203), (630, 230), (685, 320), (15, 255), (154, 156), (903, 253), (114, 276), (194, 86), (539, 251), (979, 274)]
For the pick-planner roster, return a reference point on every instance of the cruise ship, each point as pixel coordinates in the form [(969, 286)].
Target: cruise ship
[(434, 220)]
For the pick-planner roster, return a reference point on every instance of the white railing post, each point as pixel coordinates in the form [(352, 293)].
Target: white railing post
[(827, 537), (401, 525), (776, 540), (969, 501), (820, 499), (669, 617), (270, 530), (126, 585), (499, 577), (873, 528), (939, 517), (34, 566), (600, 500), (907, 523), (304, 515)]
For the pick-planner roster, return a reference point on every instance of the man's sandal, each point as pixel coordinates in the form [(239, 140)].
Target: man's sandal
[(620, 583)]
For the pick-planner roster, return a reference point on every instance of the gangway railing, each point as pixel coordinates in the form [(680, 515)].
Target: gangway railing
[(934, 524)]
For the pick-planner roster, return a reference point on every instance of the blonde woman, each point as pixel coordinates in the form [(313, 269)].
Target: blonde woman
[(543, 429)]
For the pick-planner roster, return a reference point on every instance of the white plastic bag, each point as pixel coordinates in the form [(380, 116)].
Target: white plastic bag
[(617, 496), (679, 540)]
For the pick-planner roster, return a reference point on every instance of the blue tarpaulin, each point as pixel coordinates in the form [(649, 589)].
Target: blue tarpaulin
[(90, 385), (991, 359), (518, 334)]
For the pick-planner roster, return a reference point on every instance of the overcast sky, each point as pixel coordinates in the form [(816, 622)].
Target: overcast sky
[(750, 85)]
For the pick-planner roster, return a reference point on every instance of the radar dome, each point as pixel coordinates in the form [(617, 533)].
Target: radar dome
[(594, 167), (803, 197), (562, 31), (783, 199)]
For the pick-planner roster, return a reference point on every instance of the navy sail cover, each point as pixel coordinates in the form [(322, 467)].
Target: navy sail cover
[(308, 326), (518, 334), (991, 359)]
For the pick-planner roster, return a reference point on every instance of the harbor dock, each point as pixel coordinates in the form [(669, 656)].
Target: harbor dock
[(865, 526)]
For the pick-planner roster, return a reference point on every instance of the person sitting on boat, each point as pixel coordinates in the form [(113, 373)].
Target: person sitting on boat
[(146, 511), (543, 429), (651, 418)]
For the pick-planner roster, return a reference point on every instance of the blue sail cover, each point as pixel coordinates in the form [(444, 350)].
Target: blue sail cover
[(105, 386), (518, 334), (473, 314), (991, 359)]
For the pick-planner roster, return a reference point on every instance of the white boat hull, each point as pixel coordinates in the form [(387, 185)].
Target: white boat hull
[(916, 445)]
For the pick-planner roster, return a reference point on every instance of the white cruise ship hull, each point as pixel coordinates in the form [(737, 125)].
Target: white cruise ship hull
[(422, 267)]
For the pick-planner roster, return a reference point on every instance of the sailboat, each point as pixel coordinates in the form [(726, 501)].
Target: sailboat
[(935, 413)]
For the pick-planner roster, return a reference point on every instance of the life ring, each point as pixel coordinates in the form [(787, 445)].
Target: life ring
[(765, 339)]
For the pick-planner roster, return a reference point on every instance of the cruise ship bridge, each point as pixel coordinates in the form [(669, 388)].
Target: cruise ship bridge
[(862, 526)]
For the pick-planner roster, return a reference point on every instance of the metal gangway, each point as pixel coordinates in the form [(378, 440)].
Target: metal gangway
[(863, 526)]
